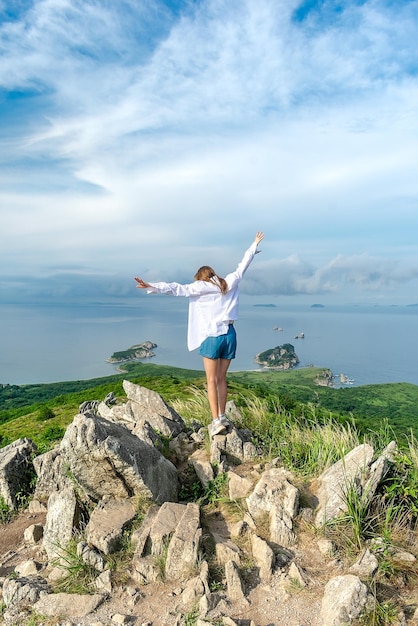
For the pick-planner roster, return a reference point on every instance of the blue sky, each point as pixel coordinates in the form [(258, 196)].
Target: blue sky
[(141, 137)]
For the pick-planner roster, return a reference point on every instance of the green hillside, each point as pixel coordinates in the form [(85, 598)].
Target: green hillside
[(42, 411)]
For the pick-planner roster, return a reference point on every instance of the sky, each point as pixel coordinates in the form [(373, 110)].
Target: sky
[(149, 137)]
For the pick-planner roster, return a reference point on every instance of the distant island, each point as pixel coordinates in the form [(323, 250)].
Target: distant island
[(279, 358), (139, 351), (317, 306), (266, 305)]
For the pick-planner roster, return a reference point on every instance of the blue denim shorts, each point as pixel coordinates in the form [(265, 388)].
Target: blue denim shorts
[(222, 347)]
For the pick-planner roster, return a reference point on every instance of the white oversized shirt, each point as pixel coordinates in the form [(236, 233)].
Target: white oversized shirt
[(210, 311)]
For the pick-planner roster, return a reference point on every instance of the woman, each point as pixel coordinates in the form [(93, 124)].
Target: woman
[(213, 308)]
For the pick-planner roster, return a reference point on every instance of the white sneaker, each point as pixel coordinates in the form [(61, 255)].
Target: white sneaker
[(217, 427), (224, 421)]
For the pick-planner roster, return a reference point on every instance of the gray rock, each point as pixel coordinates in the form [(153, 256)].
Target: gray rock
[(68, 604), (25, 589), (365, 566), (28, 568), (274, 494), (334, 483), (232, 448), (296, 573), (62, 519), (108, 522), (33, 534), (235, 586), (202, 467), (378, 471), (149, 405), (164, 525), (344, 600), (16, 470), (91, 556), (107, 459), (51, 475), (238, 486), (226, 550), (263, 556), (183, 549)]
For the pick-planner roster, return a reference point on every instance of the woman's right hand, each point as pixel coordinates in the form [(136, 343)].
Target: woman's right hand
[(259, 237)]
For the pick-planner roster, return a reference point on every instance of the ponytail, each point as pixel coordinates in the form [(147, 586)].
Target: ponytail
[(209, 275)]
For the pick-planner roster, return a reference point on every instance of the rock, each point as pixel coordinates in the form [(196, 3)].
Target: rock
[(148, 405), (264, 557), (145, 570), (326, 547), (235, 587), (275, 495), (27, 568), (108, 522), (202, 467), (196, 587), (24, 589), (91, 556), (62, 519), (140, 536), (238, 486), (51, 475), (33, 534), (337, 479), (107, 459), (297, 574), (365, 566), (16, 470), (164, 525), (103, 582), (183, 549), (226, 550), (232, 449), (67, 604), (378, 470), (182, 446), (344, 600)]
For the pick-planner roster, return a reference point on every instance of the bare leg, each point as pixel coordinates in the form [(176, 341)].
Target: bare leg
[(223, 365), (216, 370)]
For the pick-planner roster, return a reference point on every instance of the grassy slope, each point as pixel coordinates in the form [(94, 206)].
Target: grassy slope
[(370, 405)]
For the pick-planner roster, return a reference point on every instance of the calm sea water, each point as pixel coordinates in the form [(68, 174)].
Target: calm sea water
[(71, 341)]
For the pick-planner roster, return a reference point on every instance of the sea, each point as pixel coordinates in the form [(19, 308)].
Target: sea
[(45, 342)]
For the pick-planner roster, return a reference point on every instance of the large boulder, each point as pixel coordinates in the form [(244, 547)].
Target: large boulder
[(62, 520), (344, 600), (16, 470), (106, 459), (275, 495), (146, 405), (335, 483), (51, 474)]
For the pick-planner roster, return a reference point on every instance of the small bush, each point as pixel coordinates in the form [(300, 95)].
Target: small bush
[(45, 413)]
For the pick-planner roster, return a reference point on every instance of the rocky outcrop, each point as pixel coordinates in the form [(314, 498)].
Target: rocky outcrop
[(16, 470), (134, 353), (355, 475), (110, 461), (106, 459), (279, 358)]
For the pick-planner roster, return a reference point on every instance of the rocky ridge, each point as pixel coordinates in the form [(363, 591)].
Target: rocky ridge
[(264, 562)]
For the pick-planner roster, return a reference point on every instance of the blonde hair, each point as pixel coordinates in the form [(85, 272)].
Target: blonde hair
[(209, 275)]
